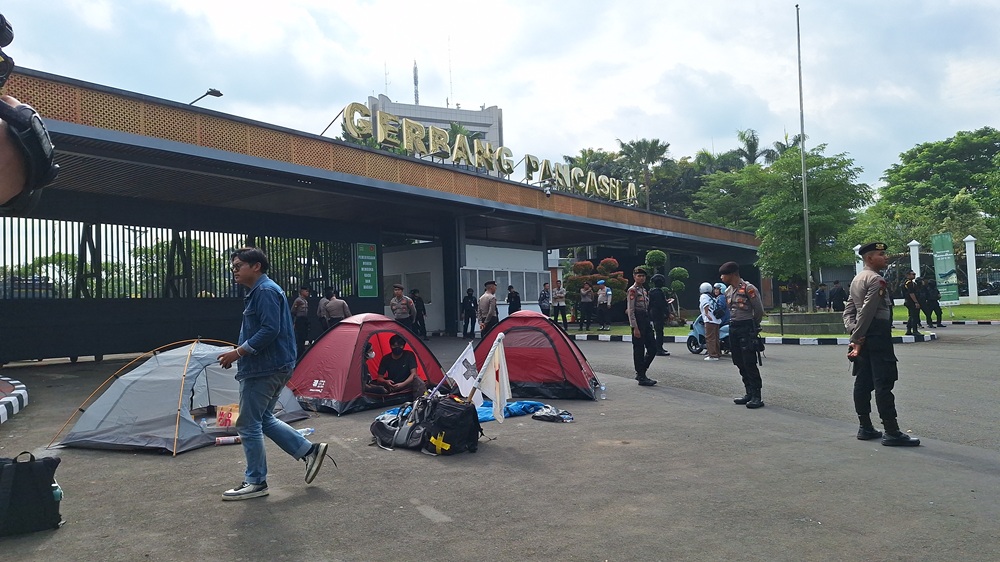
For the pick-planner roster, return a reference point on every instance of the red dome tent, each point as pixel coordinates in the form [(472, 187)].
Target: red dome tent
[(542, 361), (329, 376)]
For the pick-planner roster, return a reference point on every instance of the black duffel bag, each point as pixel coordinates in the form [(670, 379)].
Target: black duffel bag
[(28, 495), (452, 427)]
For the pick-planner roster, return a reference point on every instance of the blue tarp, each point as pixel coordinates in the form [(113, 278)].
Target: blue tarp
[(510, 410)]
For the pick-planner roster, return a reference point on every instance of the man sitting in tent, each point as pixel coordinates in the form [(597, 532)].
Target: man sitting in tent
[(397, 372)]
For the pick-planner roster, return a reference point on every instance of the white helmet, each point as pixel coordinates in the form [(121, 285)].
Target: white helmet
[(721, 287), (705, 288)]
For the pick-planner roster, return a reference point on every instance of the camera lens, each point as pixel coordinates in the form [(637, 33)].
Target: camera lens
[(6, 32)]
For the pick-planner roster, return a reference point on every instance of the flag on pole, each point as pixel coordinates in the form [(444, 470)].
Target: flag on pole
[(464, 373), (493, 380)]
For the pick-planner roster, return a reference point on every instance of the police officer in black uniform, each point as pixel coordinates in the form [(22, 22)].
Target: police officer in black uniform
[(912, 303), (659, 310)]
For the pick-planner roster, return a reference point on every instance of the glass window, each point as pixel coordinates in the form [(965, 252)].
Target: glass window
[(468, 280), (531, 287), (484, 276), (502, 279), (517, 280)]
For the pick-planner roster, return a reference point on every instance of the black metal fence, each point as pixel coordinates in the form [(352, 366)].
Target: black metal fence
[(63, 259), (70, 289)]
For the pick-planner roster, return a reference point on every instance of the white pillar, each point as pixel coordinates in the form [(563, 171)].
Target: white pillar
[(915, 256), (858, 264), (970, 268)]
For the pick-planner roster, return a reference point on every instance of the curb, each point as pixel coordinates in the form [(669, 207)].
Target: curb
[(959, 322), (768, 340), (13, 398)]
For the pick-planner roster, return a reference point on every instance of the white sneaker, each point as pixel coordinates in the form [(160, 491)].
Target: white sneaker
[(245, 491), (711, 359), (314, 460)]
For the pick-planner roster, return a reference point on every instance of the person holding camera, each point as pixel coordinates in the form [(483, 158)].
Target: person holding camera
[(26, 151), (747, 310)]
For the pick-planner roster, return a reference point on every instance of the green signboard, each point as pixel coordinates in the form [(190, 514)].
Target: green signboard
[(944, 268), (367, 270)]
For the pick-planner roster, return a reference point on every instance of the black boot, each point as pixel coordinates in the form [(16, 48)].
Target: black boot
[(895, 438), (866, 431), (755, 400), (644, 380), (746, 397)]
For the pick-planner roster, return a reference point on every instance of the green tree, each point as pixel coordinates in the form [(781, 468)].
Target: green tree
[(598, 161), (781, 147), (932, 170), (656, 260), (727, 198), (834, 193), (640, 156), (750, 150), (706, 162)]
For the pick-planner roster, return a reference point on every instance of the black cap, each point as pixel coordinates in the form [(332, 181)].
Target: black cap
[(729, 267), (871, 247), (490, 282), (398, 286)]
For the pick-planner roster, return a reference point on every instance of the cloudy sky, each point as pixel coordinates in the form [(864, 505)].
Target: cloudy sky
[(879, 76)]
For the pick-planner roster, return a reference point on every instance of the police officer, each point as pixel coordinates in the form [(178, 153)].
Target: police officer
[(912, 303), (643, 342), (659, 310), (746, 311), (868, 317), (403, 310)]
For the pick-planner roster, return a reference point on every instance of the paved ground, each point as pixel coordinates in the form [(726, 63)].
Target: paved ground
[(675, 472)]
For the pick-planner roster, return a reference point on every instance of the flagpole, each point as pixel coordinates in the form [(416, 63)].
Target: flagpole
[(802, 154)]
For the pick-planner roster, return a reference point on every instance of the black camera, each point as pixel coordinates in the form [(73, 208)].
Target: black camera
[(6, 63)]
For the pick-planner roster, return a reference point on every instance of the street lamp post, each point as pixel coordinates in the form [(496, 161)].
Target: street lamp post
[(211, 92)]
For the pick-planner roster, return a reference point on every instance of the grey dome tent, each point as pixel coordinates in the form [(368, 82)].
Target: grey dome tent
[(159, 404)]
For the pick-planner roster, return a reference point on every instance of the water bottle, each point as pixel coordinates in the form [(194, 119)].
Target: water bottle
[(57, 493), (203, 423), (227, 440), (604, 392), (306, 431)]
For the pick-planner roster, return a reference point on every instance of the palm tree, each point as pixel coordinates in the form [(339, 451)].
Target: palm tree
[(706, 162), (459, 129), (783, 147), (598, 161), (642, 155), (750, 151)]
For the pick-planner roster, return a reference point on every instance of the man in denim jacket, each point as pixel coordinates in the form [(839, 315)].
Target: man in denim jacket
[(265, 357)]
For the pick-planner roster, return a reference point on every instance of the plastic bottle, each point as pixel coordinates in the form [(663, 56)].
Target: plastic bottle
[(57, 492), (227, 440), (306, 431), (203, 423), (604, 392)]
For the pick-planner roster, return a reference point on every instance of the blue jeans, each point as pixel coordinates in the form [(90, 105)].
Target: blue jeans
[(257, 398)]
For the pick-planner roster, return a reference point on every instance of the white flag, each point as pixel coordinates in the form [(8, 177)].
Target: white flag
[(464, 373), (493, 380)]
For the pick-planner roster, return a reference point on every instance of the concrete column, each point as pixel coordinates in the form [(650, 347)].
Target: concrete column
[(858, 264), (915, 256), (970, 268)]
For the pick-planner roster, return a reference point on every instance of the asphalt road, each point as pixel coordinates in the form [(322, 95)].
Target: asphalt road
[(673, 472)]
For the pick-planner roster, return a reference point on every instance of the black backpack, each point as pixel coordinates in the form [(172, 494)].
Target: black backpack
[(403, 429), (28, 495), (452, 427)]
